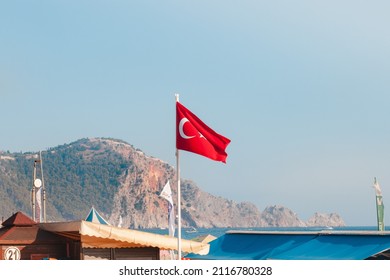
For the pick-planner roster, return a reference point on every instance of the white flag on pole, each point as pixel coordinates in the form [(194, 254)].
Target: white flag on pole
[(377, 188), (167, 194), (380, 208), (38, 213)]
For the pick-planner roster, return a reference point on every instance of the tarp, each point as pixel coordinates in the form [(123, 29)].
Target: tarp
[(297, 246), (93, 235)]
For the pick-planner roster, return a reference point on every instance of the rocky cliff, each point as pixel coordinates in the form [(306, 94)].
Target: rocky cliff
[(280, 216), (122, 181), (327, 220)]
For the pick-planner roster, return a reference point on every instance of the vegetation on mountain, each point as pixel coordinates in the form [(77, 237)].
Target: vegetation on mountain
[(121, 181)]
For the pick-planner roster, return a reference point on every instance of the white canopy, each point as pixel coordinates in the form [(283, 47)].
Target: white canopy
[(93, 235)]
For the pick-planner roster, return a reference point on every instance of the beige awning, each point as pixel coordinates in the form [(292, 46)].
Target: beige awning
[(94, 235), (204, 238)]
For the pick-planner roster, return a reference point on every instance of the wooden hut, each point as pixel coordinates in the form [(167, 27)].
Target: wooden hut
[(22, 238)]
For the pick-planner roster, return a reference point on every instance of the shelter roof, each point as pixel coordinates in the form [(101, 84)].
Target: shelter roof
[(94, 235), (302, 245), (21, 230), (18, 219)]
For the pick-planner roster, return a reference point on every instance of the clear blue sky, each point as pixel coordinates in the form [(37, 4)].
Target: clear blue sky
[(300, 87)]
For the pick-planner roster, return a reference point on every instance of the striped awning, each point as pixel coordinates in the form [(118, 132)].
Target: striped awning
[(94, 217)]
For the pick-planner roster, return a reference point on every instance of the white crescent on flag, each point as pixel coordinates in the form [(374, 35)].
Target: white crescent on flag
[(181, 130)]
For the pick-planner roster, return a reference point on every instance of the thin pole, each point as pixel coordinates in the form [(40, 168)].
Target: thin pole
[(178, 199), (33, 192), (178, 207), (43, 189)]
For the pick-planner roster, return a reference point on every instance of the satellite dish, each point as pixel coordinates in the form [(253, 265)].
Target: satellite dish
[(37, 183)]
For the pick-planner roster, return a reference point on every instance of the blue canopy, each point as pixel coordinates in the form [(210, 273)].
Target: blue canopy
[(324, 245), (95, 217)]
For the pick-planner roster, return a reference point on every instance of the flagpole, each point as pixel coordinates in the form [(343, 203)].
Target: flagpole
[(178, 199), (379, 206)]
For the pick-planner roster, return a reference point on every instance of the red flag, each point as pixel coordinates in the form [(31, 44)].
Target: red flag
[(194, 136)]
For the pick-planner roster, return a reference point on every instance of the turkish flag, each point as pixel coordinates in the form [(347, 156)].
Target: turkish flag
[(195, 136)]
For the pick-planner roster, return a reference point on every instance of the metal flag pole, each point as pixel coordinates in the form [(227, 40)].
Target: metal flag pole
[(33, 198), (178, 198)]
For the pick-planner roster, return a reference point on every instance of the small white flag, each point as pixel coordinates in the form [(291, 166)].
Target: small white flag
[(377, 188), (167, 194)]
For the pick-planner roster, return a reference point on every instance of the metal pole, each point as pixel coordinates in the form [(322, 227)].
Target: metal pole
[(43, 189), (178, 200), (33, 192)]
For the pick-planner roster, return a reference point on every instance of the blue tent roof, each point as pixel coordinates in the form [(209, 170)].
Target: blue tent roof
[(333, 245), (95, 217)]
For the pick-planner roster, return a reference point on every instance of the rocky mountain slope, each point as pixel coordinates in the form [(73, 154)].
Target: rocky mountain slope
[(122, 181)]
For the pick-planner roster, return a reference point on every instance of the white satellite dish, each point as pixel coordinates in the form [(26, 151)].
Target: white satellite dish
[(37, 183)]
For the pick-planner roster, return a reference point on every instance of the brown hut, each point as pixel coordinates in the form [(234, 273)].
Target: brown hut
[(22, 238)]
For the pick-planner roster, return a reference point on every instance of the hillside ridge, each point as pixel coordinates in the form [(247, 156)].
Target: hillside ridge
[(122, 181)]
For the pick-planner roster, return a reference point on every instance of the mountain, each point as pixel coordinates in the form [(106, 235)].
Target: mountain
[(122, 181), (327, 220), (280, 216)]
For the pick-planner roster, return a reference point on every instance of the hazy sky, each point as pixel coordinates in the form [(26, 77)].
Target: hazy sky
[(300, 87)]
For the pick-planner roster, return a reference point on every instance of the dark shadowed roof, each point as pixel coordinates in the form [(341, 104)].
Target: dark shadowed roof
[(19, 229), (18, 219)]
